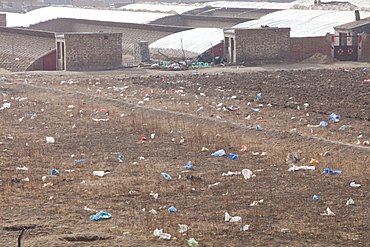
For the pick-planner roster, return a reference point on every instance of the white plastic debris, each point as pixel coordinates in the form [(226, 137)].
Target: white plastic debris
[(328, 212), (25, 179), (353, 184), (247, 173), (215, 184), (100, 173), (297, 168), (159, 233), (245, 228), (22, 168), (183, 228), (155, 195), (5, 105), (101, 119), (228, 218), (152, 136), (255, 203), (90, 209), (50, 139), (229, 173), (152, 211)]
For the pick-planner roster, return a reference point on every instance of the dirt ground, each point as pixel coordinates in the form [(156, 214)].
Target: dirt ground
[(95, 117)]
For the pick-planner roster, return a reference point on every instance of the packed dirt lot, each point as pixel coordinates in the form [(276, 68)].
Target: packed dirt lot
[(134, 125)]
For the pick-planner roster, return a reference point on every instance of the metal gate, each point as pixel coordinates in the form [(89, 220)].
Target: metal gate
[(347, 50)]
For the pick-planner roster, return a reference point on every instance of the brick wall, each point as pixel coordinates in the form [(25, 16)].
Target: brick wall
[(262, 44), (302, 48), (365, 50), (93, 51), (2, 20)]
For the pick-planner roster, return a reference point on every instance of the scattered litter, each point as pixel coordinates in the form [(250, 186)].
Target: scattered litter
[(152, 211), (204, 149), (90, 209), (314, 161), (201, 108), (328, 212), (172, 209), (245, 228), (22, 168), (327, 170), (100, 173), (315, 197), (333, 117), (231, 173), (233, 156), (81, 160), (254, 109), (228, 218), (101, 216), (322, 124), (188, 166), (325, 154), (258, 127), (50, 139), (343, 127), (161, 234), (101, 119), (155, 195), (297, 168), (54, 172), (120, 157), (285, 230), (5, 105), (247, 173), (192, 242), (353, 184), (255, 203), (215, 184), (350, 202), (143, 138), (166, 176), (183, 228), (259, 96), (30, 115), (152, 136), (219, 153), (243, 149), (293, 158)]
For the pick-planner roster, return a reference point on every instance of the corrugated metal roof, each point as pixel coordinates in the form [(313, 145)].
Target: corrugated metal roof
[(304, 23), (251, 5), (163, 7), (53, 12), (196, 40)]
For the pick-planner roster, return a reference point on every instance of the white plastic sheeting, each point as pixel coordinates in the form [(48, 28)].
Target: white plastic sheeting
[(53, 12), (196, 40), (304, 23), (251, 5), (163, 7)]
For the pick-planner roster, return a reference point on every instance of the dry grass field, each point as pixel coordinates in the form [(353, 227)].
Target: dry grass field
[(95, 118)]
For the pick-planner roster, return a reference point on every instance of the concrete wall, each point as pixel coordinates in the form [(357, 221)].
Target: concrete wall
[(302, 48), (261, 44), (2, 20), (93, 51)]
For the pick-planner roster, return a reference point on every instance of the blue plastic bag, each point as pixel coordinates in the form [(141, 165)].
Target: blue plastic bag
[(81, 160), (120, 157), (101, 216), (254, 109), (258, 127), (54, 172), (188, 166), (323, 124), (259, 96), (327, 170), (333, 116), (172, 209), (220, 152), (233, 156)]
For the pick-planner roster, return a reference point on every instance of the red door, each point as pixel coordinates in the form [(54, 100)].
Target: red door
[(50, 62)]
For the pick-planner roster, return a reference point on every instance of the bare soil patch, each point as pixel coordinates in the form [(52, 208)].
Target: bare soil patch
[(93, 119)]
